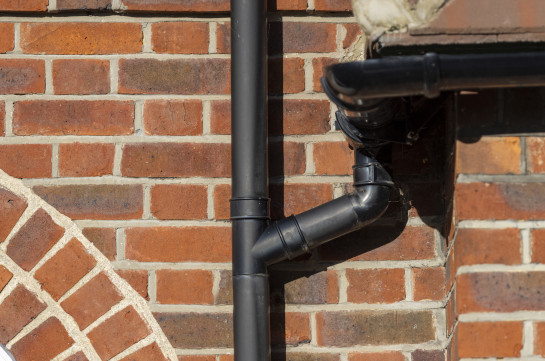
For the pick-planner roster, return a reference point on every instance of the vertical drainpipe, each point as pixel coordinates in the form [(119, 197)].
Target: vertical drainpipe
[(249, 203)]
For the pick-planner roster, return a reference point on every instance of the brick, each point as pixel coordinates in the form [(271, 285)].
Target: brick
[(11, 209), (196, 358), (227, 358), (173, 244), (103, 239), (288, 199), (297, 287), (353, 33), (223, 38), (349, 328), (488, 246), (286, 158), (34, 239), (333, 158), (539, 338), (535, 154), (2, 118), (191, 201), (377, 356), (185, 6), (173, 117), (298, 116), (220, 117), (290, 328), (176, 160), (73, 117), (489, 156), (88, 76), (538, 245), (500, 292), (333, 5), (7, 41), (84, 4), (80, 356), (319, 65), (95, 201), (278, 5), (190, 287), (22, 76), (429, 284), (500, 201), (197, 330), (150, 352), (86, 160), (385, 243), (67, 38), (489, 339), (302, 356), (43, 343), (16, 311), (302, 37), (286, 75), (92, 300), (428, 355), (222, 194), (62, 271), (27, 5), (179, 76), (225, 292), (138, 279), (117, 333), (26, 160), (376, 285), (5, 277), (188, 37)]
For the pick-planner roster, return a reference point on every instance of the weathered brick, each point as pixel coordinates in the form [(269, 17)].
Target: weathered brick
[(103, 201), (26, 160), (428, 355), (80, 356), (500, 201), (197, 330), (489, 156), (185, 6), (34, 239), (353, 32), (65, 269), (185, 287), (293, 198), (225, 292), (220, 117), (92, 300), (81, 38), (223, 37), (298, 116), (173, 117), (332, 5), (382, 243), (376, 285), (188, 37), (2, 118), (296, 287), (500, 292), (84, 4), (319, 65), (73, 117), (222, 194), (7, 40), (488, 246), (81, 76), (117, 333), (191, 201), (377, 356), (348, 328), (286, 75), (11, 209), (43, 343), (27, 5), (138, 279), (489, 339), (22, 76), (103, 239), (333, 158), (539, 338), (5, 277), (148, 353), (286, 158), (302, 37), (429, 284), (86, 159), (176, 160), (290, 328), (179, 76), (173, 244), (16, 311), (535, 154)]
